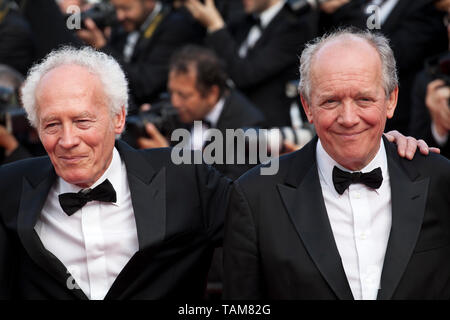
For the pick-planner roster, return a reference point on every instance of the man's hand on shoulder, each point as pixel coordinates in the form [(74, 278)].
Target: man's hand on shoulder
[(407, 146)]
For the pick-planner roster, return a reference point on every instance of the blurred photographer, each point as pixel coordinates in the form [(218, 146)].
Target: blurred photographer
[(260, 49), (430, 111), (148, 31), (10, 148), (17, 48), (198, 91)]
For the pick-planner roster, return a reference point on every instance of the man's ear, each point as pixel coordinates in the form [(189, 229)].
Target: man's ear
[(213, 95), (307, 108), (392, 103), (119, 121)]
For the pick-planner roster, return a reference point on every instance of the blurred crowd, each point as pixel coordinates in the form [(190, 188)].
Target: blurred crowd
[(230, 63), (257, 43)]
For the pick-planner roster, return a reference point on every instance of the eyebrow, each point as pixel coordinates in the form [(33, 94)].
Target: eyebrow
[(84, 114), (326, 96)]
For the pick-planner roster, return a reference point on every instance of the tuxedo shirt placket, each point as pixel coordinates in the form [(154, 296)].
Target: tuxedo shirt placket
[(95, 249), (361, 220)]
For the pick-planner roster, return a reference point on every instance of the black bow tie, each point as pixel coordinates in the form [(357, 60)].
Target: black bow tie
[(342, 179), (255, 21), (70, 202)]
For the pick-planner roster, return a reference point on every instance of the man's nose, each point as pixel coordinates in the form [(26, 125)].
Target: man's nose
[(348, 115), (69, 138), (175, 100), (120, 14)]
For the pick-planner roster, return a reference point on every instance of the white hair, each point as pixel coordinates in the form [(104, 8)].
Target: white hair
[(111, 76), (379, 42)]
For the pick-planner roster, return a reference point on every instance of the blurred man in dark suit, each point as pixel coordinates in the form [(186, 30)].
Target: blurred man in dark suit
[(199, 91), (260, 49), (17, 47), (149, 33)]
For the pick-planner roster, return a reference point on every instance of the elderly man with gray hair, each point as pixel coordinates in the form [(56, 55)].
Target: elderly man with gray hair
[(345, 217), (96, 219)]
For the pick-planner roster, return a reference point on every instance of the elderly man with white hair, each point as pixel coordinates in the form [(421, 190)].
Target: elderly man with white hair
[(97, 219)]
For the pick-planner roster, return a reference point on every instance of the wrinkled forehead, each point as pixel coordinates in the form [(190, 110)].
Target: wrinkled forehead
[(346, 54), (69, 79)]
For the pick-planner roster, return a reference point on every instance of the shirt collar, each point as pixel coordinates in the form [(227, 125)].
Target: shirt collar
[(113, 174), (326, 164), (267, 15), (214, 115)]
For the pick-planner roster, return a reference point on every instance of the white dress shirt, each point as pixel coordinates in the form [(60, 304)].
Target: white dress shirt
[(361, 220), (95, 242), (255, 32)]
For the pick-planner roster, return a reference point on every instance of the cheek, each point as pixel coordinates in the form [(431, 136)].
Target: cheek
[(323, 119)]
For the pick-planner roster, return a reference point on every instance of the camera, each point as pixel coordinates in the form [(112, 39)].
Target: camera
[(162, 115), (438, 67), (14, 118), (102, 13)]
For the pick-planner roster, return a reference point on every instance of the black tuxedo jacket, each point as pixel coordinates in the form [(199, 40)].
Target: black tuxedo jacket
[(238, 112), (149, 66), (263, 74), (279, 243), (179, 212)]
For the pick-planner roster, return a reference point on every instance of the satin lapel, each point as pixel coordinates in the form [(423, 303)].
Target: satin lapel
[(148, 196), (33, 197), (408, 196), (304, 203)]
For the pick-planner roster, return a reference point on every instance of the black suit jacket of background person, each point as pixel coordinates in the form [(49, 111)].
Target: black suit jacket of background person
[(279, 243), (149, 65), (238, 112), (17, 47), (420, 123), (415, 30), (263, 74), (179, 212)]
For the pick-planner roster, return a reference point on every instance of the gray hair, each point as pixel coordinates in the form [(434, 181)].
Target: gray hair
[(111, 76), (379, 42)]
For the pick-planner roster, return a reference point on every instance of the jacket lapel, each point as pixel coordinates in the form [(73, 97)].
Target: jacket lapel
[(408, 197), (302, 197), (35, 189), (148, 196)]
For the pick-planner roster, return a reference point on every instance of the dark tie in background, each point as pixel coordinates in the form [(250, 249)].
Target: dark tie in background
[(343, 179), (71, 202)]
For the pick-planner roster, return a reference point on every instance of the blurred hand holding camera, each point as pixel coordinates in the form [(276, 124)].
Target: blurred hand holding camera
[(154, 140), (206, 14), (437, 102), (331, 6), (92, 35), (7, 141), (443, 5)]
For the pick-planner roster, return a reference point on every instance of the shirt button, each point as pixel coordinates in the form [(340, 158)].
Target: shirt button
[(363, 236), (357, 195)]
